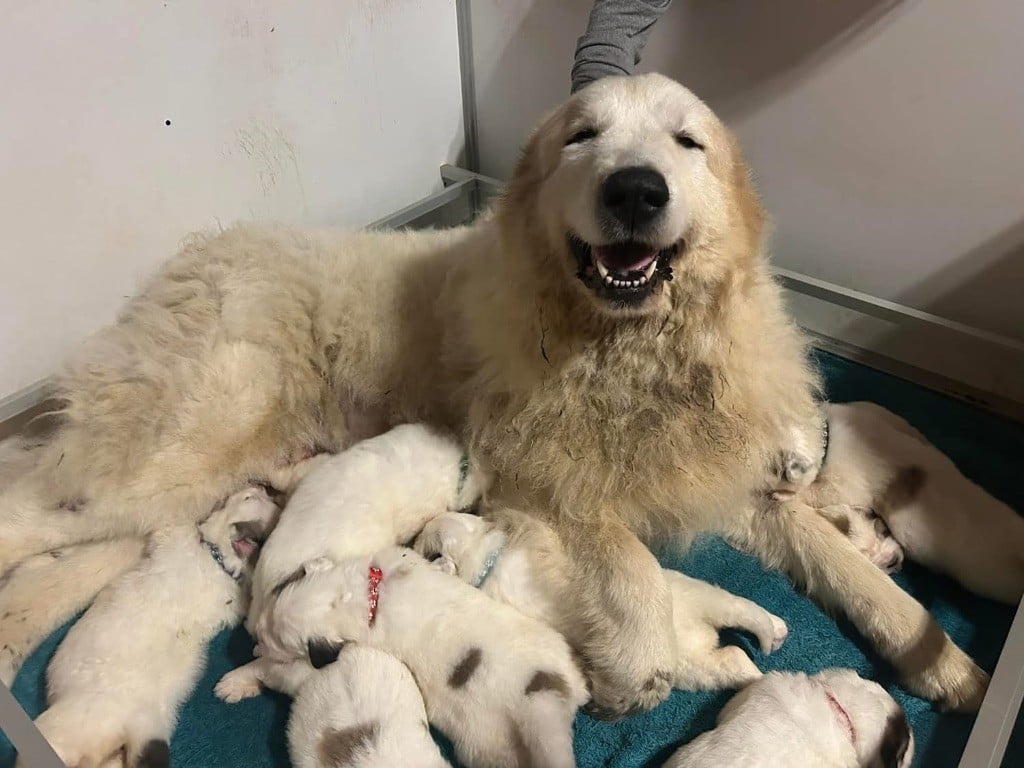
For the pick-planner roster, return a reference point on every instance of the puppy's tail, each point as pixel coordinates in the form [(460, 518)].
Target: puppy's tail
[(44, 591), (541, 734)]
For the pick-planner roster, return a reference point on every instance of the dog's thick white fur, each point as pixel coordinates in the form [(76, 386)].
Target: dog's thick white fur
[(502, 686), (788, 719), (48, 589), (662, 405), (877, 461), (376, 494), (362, 711), (119, 676), (512, 562)]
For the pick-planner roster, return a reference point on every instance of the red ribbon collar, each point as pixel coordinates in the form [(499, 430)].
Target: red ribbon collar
[(374, 577), (842, 716)]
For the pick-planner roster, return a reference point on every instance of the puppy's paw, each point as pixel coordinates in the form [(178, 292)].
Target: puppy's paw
[(790, 472), (779, 633), (236, 685)]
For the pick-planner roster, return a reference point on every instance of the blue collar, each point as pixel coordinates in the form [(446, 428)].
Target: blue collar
[(218, 557), (488, 566)]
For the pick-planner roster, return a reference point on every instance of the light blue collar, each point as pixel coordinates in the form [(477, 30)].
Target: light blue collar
[(488, 566), (218, 557)]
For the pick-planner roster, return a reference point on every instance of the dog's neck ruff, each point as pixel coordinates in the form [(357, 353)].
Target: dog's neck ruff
[(488, 566), (218, 557), (374, 577), (842, 716)]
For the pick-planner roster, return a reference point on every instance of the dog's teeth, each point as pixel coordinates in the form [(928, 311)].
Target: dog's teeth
[(608, 280), (636, 283), (643, 280), (617, 283), (601, 269), (649, 272)]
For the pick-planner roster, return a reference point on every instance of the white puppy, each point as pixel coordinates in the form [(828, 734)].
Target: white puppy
[(123, 670), (363, 711), (516, 560), (376, 494), (834, 719), (877, 460), (500, 685), (868, 533)]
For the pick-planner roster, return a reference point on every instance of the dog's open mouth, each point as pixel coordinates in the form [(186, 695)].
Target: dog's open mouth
[(624, 272)]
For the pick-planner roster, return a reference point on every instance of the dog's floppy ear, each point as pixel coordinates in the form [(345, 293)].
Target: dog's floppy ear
[(323, 652)]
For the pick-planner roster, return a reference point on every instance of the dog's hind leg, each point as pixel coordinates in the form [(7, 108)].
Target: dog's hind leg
[(46, 590), (795, 537)]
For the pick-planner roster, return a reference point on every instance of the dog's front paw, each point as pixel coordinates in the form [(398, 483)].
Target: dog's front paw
[(236, 685), (613, 697), (953, 681)]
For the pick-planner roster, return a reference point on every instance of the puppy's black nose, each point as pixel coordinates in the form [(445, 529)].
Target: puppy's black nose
[(634, 196)]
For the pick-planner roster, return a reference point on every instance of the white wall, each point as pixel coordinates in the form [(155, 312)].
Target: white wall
[(887, 138), (324, 111)]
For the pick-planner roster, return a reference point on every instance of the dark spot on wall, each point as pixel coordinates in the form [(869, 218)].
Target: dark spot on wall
[(464, 669), (167, 122)]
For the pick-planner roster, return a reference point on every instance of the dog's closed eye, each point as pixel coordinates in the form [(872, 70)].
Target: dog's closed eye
[(687, 141), (586, 134)]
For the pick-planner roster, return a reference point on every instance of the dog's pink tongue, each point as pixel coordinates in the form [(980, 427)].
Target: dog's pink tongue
[(243, 547), (625, 257)]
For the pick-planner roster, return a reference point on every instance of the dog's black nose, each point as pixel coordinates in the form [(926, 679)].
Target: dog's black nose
[(635, 196)]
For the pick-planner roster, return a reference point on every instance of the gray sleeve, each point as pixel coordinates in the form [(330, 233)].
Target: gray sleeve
[(616, 34)]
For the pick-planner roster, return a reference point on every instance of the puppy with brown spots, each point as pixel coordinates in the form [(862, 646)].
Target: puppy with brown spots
[(877, 461), (502, 686), (834, 719), (362, 711), (125, 667), (518, 560)]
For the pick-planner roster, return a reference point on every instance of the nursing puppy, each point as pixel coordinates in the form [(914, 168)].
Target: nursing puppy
[(119, 676), (362, 711), (501, 686), (943, 520), (516, 562), (376, 494), (868, 533), (833, 719)]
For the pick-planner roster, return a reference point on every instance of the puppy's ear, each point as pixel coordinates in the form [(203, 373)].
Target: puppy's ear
[(323, 652), (895, 741)]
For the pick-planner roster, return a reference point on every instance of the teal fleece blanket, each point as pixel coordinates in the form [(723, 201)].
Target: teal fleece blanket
[(990, 450)]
